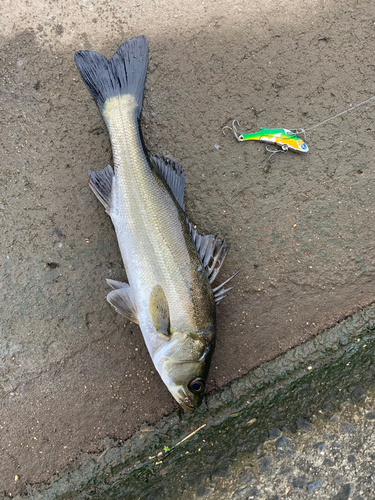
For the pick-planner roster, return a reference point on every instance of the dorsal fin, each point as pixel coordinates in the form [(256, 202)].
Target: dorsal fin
[(212, 252), (173, 175)]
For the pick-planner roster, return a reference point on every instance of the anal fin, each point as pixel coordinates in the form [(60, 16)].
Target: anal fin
[(122, 298)]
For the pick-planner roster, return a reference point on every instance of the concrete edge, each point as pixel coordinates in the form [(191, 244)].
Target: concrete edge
[(287, 382)]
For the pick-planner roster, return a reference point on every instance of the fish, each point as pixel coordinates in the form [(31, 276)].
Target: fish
[(169, 266)]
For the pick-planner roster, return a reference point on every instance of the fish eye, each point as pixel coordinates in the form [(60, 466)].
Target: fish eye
[(197, 385), (303, 146)]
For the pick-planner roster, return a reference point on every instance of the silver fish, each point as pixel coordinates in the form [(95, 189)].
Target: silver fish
[(169, 266)]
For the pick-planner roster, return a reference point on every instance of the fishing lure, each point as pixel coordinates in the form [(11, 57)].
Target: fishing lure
[(284, 138)]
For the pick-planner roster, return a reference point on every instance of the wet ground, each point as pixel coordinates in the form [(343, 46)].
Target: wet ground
[(72, 375)]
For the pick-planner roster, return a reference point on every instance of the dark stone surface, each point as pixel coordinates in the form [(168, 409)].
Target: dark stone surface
[(334, 473), (347, 428), (304, 425), (315, 485), (321, 446), (264, 464), (358, 392), (345, 492), (221, 470), (285, 446), (247, 478), (274, 433), (299, 482), (203, 491)]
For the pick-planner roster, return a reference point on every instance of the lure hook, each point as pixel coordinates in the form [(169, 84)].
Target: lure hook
[(284, 149), (233, 128)]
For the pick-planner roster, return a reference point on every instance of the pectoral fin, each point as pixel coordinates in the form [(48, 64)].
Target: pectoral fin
[(159, 311), (123, 300)]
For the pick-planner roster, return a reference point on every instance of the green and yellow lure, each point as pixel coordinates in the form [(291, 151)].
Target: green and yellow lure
[(282, 137)]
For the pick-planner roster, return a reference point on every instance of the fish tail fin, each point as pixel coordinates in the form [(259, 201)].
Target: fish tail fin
[(125, 73)]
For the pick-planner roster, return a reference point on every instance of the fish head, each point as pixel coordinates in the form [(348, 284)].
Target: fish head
[(183, 363)]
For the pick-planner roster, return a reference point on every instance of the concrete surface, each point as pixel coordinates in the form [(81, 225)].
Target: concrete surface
[(276, 432), (328, 460), (72, 375)]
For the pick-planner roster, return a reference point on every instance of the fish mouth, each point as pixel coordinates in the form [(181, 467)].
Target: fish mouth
[(186, 405), (180, 396)]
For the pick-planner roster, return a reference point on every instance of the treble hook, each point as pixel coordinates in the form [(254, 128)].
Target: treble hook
[(284, 149), (234, 130)]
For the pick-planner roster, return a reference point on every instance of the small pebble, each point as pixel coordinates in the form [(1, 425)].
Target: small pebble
[(244, 493), (265, 464), (347, 428), (274, 433), (202, 491), (314, 486), (247, 478), (285, 446), (304, 425), (345, 492), (221, 470), (320, 446), (298, 483)]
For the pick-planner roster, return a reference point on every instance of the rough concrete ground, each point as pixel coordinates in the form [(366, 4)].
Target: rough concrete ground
[(329, 460), (302, 231), (224, 448)]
